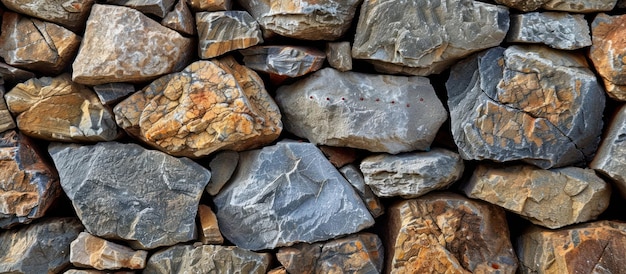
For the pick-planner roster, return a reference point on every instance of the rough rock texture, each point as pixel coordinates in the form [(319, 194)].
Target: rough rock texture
[(222, 167), (28, 183), (58, 109), (426, 36), (155, 7), (36, 45), (210, 5), (180, 19), (523, 5), (358, 253), (577, 6), (209, 229), (588, 248), (93, 252), (379, 113), (158, 193), (287, 193), (306, 19), (290, 61), (207, 259), (112, 93), (608, 53), (123, 45), (209, 106), (528, 103), (339, 156), (224, 31), (411, 175), (42, 247), (278, 270), (355, 178), (448, 233), (12, 75), (6, 120), (610, 158), (93, 271), (71, 14), (339, 55), (552, 198), (559, 30)]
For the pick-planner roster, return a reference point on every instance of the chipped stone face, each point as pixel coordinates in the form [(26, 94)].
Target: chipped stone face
[(609, 159), (155, 7), (523, 5), (290, 61), (180, 19), (224, 31), (551, 198), (6, 120), (209, 228), (222, 167), (379, 113), (112, 93), (123, 45), (580, 6), (448, 233), (209, 106), (210, 5), (528, 103), (71, 14), (608, 53), (397, 35), (339, 55), (93, 252), (355, 178), (58, 109), (105, 179), (559, 30), (287, 193), (93, 271)]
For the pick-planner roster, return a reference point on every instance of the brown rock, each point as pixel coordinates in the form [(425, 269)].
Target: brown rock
[(608, 53), (339, 156), (597, 247), (58, 109), (6, 120), (224, 31), (575, 6), (288, 61), (210, 230), (278, 270), (339, 55), (28, 184), (609, 157), (448, 233), (155, 7), (523, 5), (209, 106), (180, 19), (12, 75), (36, 45), (70, 14), (211, 5), (123, 45), (90, 251)]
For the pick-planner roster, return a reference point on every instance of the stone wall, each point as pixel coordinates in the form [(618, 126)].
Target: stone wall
[(312, 136)]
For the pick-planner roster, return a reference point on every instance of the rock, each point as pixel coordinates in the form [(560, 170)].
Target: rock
[(210, 230), (306, 19), (58, 109), (290, 61), (278, 270), (209, 106), (6, 120), (528, 103), (222, 167), (180, 19), (42, 247), (112, 93), (552, 198), (339, 55), (608, 53), (224, 31), (448, 233), (587, 248), (379, 113), (93, 271), (426, 36), (608, 159), (207, 259), (557, 30), (411, 175), (90, 251), (621, 4), (70, 14), (355, 178), (211, 5), (339, 156), (159, 206), (155, 7), (12, 75), (523, 5), (287, 193), (36, 45), (358, 253), (123, 45), (576, 6)]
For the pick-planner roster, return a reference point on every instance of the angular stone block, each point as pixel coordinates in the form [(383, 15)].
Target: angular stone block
[(559, 30), (112, 93), (209, 228), (70, 14), (610, 157), (355, 178), (608, 53), (180, 19), (289, 61), (90, 251), (224, 31), (339, 55), (222, 167), (155, 7)]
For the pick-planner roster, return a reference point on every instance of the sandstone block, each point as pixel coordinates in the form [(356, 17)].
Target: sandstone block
[(6, 120), (290, 61), (557, 30), (112, 93), (70, 14), (211, 5), (355, 178), (222, 167), (608, 53), (609, 159), (339, 55), (210, 230), (90, 251), (224, 31), (180, 19), (155, 7)]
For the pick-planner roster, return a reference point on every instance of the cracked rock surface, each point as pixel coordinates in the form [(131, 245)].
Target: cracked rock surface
[(289, 61), (71, 14), (559, 30), (608, 53), (577, 6), (224, 31)]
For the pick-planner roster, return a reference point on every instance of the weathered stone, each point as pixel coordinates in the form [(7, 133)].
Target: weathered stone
[(287, 193), (210, 230), (6, 120), (157, 193), (211, 5), (411, 175), (36, 45), (224, 31), (278, 270), (290, 61), (355, 178), (552, 198), (339, 156), (448, 233), (112, 93), (621, 4), (523, 5), (123, 45), (42, 247), (608, 53), (222, 167), (580, 6), (359, 253), (207, 259), (379, 113), (306, 19), (597, 247), (559, 30), (610, 157), (93, 271), (529, 103), (209, 106), (58, 109), (426, 36), (71, 14), (93, 252), (339, 55), (12, 75), (180, 19), (155, 7)]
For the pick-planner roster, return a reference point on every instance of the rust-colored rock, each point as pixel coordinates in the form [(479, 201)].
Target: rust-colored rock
[(608, 53), (91, 251), (290, 61), (71, 14), (224, 31), (180, 19), (209, 106), (339, 156), (210, 5), (209, 229)]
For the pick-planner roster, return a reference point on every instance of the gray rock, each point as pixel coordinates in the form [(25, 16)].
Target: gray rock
[(155, 7), (222, 167), (411, 175), (224, 31), (180, 19), (339, 55), (355, 178), (559, 30), (288, 193), (207, 259), (426, 36), (379, 113), (610, 158), (42, 247), (93, 271), (528, 103), (112, 93), (70, 14), (123, 191), (290, 61)]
